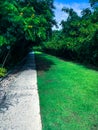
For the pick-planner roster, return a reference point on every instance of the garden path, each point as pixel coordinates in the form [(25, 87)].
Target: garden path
[(20, 109)]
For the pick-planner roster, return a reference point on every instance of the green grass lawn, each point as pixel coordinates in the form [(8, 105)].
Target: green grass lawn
[(68, 94)]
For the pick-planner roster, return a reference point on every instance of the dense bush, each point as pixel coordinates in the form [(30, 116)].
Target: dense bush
[(23, 24), (78, 38), (3, 71)]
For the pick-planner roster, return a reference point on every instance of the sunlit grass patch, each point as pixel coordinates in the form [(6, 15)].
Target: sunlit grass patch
[(68, 94)]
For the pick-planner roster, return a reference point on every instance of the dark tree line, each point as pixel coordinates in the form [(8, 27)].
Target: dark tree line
[(23, 23), (78, 38)]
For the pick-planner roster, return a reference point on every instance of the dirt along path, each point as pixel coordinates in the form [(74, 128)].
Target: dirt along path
[(20, 109)]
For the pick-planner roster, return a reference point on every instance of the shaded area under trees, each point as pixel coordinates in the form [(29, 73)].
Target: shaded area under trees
[(22, 25)]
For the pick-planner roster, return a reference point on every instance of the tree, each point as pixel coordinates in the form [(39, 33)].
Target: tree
[(25, 23), (78, 37), (86, 13), (94, 3)]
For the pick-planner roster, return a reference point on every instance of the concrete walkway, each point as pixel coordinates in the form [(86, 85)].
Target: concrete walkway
[(20, 110)]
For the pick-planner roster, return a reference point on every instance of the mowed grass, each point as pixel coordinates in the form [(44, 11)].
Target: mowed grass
[(68, 94)]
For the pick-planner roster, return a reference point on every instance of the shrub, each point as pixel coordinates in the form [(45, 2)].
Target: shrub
[(3, 71)]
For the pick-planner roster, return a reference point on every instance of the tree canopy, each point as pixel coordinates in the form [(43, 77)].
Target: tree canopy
[(23, 23), (78, 38)]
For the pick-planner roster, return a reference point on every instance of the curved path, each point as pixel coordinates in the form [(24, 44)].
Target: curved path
[(20, 110)]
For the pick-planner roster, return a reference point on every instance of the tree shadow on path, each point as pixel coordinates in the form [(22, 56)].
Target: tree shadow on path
[(41, 63)]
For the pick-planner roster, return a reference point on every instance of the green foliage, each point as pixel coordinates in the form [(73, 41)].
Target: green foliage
[(3, 71), (55, 45), (24, 23), (78, 38), (2, 40)]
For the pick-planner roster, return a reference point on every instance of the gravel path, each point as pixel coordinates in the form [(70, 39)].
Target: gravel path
[(20, 109)]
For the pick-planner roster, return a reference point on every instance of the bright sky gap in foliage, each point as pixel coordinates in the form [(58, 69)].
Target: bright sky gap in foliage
[(77, 5)]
